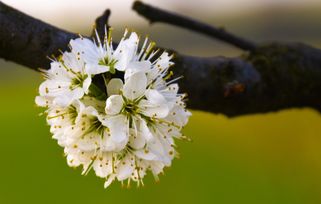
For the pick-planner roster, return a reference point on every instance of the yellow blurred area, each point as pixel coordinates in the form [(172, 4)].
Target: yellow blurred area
[(286, 140)]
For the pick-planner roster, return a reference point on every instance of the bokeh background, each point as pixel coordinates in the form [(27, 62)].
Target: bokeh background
[(270, 158)]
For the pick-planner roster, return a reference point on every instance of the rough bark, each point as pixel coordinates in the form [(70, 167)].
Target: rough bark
[(271, 77), (28, 41)]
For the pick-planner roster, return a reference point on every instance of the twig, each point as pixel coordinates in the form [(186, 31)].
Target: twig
[(272, 77), (158, 15), (100, 24)]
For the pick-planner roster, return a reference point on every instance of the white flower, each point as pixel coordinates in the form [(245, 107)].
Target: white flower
[(123, 123), (102, 57), (66, 80)]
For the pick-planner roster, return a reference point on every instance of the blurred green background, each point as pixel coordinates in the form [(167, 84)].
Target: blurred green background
[(270, 158)]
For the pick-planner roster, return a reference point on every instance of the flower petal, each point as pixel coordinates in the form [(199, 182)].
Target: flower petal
[(103, 165), (136, 141), (137, 66), (154, 97), (86, 49), (58, 72), (89, 142), (67, 98), (43, 101), (179, 116), (118, 126), (94, 69), (114, 104), (125, 52), (145, 154), (146, 133), (157, 167), (71, 61), (114, 86), (86, 84), (153, 110), (135, 86), (125, 168)]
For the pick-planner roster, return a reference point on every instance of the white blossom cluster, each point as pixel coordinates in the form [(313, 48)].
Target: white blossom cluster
[(115, 111)]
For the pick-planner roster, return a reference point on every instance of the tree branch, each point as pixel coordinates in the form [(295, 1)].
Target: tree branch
[(158, 15), (272, 77), (28, 41), (100, 23), (276, 76)]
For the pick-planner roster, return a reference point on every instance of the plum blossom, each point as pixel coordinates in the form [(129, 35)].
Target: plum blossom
[(115, 110)]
